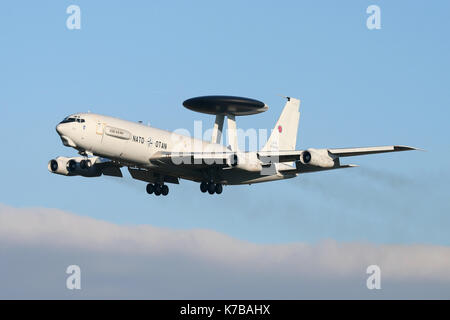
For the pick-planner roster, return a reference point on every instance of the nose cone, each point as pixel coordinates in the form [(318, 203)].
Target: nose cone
[(59, 129)]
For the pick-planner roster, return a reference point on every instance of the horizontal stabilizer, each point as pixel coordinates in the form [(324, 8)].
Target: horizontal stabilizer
[(306, 168)]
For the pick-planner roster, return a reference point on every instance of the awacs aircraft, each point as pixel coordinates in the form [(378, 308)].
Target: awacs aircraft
[(159, 157)]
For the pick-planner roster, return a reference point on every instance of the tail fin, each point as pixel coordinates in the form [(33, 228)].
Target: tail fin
[(284, 135)]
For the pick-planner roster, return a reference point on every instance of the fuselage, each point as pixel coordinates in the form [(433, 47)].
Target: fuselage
[(133, 144), (124, 140)]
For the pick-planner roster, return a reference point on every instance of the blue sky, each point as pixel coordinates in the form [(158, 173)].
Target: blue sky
[(140, 61)]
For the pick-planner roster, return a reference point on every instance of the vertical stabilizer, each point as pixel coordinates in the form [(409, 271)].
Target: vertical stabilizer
[(284, 135)]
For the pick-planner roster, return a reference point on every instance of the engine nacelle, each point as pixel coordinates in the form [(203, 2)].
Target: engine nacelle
[(77, 166), (319, 158), (245, 161)]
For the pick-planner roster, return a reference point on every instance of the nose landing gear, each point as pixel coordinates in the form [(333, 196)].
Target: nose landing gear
[(158, 189)]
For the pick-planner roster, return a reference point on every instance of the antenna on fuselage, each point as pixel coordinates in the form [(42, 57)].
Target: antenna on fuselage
[(228, 106)]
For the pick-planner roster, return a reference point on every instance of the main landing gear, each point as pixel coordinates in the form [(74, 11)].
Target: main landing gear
[(211, 187), (158, 189)]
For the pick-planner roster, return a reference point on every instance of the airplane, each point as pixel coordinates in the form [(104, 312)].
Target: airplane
[(159, 157)]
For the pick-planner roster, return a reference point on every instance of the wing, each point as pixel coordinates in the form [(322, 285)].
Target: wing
[(313, 160), (279, 156), (309, 160), (294, 155), (192, 159), (151, 176), (108, 167), (188, 164), (349, 152)]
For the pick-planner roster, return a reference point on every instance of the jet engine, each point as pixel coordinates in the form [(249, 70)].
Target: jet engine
[(317, 157), (245, 161), (78, 166)]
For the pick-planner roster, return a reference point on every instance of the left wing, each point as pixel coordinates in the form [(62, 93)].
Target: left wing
[(309, 160), (349, 152), (312, 160), (294, 155)]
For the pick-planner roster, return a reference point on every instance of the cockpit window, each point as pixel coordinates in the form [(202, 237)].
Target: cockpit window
[(68, 119), (72, 119)]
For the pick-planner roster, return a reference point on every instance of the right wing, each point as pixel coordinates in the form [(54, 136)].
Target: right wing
[(108, 167), (309, 160)]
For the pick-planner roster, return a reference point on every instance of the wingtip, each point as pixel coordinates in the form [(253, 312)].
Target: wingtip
[(349, 166), (407, 148)]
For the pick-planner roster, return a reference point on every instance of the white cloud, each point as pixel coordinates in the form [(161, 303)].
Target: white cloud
[(36, 245)]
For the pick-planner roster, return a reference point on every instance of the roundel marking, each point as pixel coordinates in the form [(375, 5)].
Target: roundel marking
[(280, 129)]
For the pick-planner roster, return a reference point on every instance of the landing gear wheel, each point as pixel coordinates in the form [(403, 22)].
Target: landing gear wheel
[(219, 188), (203, 187), (150, 188), (164, 190), (158, 189), (211, 188)]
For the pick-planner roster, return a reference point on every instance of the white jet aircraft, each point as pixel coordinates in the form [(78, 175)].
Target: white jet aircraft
[(156, 156)]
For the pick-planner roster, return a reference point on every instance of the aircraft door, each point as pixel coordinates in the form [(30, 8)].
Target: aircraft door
[(83, 129), (99, 128), (93, 131)]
